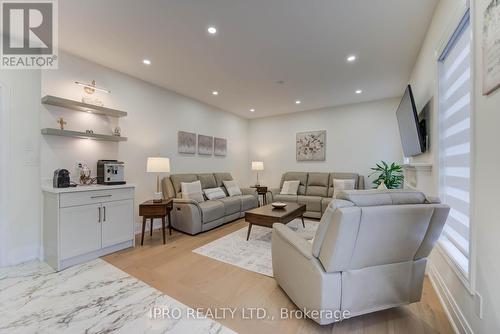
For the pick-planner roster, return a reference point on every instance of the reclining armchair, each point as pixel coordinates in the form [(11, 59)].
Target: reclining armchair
[(368, 254)]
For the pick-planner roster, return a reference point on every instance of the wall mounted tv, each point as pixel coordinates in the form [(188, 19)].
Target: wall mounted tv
[(412, 131)]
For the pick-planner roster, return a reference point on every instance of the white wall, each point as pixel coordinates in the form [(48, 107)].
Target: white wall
[(358, 136), (460, 302), (487, 185), (20, 172), (155, 115)]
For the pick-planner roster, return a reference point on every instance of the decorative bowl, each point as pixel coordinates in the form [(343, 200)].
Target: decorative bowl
[(278, 205)]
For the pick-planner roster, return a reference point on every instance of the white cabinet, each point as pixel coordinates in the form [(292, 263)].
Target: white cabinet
[(86, 222), (117, 224), (79, 230)]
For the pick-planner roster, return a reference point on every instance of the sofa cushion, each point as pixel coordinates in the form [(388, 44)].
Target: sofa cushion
[(301, 176), (342, 184), (231, 204), (214, 193), (192, 190), (207, 180), (285, 198), (343, 176), (317, 184), (178, 178), (211, 210), (313, 203), (248, 202), (290, 187), (220, 177), (232, 188)]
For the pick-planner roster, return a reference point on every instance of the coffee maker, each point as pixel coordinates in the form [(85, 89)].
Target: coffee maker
[(110, 172)]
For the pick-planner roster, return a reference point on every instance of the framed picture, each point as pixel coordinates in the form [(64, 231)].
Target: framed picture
[(220, 147), (311, 146), (186, 142), (491, 48), (205, 145)]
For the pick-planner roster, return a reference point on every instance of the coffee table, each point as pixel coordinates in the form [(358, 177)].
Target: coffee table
[(267, 215)]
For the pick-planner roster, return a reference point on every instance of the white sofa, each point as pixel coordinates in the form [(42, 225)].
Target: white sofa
[(369, 253)]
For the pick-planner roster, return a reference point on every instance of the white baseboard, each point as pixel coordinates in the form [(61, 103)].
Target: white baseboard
[(450, 306)]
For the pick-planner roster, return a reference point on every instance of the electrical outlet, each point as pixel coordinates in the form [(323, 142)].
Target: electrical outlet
[(478, 305)]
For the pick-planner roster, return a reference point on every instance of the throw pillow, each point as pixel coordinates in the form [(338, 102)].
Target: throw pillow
[(214, 193), (192, 190), (232, 188), (290, 188), (342, 184)]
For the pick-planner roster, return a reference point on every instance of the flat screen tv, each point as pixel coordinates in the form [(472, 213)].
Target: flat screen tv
[(410, 129)]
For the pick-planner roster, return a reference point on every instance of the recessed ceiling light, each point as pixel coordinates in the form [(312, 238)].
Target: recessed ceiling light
[(297, 102), (215, 92), (359, 91), (252, 110), (212, 30), (146, 62), (351, 58)]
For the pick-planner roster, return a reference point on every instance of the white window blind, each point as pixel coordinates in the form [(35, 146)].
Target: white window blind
[(455, 143)]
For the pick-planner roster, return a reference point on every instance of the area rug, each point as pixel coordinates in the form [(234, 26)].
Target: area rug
[(254, 254), (94, 297)]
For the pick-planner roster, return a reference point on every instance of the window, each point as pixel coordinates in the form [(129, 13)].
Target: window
[(455, 143)]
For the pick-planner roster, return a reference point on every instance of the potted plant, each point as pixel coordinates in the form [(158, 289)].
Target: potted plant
[(389, 175)]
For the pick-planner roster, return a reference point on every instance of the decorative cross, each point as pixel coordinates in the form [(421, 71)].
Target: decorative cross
[(61, 123)]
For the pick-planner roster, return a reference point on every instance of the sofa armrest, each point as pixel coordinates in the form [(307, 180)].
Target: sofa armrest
[(249, 191), (273, 192), (293, 240), (185, 201), (187, 216)]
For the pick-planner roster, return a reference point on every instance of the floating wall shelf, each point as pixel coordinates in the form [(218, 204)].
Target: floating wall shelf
[(77, 134), (80, 106)]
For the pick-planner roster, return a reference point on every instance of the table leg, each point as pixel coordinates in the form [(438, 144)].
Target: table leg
[(249, 229), (303, 225), (169, 224), (163, 228), (151, 228), (143, 229)]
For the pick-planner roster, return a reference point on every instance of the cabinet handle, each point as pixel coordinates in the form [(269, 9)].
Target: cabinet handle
[(100, 196), (104, 213), (99, 208)]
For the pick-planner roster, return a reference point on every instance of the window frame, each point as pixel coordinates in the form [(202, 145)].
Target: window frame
[(455, 24)]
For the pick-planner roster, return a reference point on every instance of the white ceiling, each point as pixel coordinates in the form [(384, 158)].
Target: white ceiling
[(259, 42)]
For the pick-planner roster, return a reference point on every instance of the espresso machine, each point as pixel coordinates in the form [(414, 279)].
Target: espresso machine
[(110, 172)]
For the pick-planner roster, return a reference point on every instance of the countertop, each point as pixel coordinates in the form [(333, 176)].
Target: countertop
[(49, 188)]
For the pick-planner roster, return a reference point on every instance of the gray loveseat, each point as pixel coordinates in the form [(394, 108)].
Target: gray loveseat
[(192, 217), (315, 190)]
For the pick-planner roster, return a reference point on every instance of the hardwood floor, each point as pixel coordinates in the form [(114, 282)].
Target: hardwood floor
[(201, 282)]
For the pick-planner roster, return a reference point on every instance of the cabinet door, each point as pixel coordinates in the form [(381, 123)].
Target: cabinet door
[(118, 222), (80, 230)]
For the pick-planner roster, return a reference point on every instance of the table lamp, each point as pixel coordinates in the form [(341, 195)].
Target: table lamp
[(257, 166), (158, 165)]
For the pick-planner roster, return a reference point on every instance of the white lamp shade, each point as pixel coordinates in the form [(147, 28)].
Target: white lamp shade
[(257, 165), (158, 165)]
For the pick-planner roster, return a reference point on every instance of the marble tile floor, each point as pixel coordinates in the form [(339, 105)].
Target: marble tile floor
[(94, 297)]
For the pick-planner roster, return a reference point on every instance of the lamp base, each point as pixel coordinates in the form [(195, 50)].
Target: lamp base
[(158, 198)]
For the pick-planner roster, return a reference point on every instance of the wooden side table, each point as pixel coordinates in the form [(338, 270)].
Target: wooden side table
[(261, 190), (151, 210)]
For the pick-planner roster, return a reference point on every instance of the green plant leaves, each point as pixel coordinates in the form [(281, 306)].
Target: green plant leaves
[(391, 175)]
